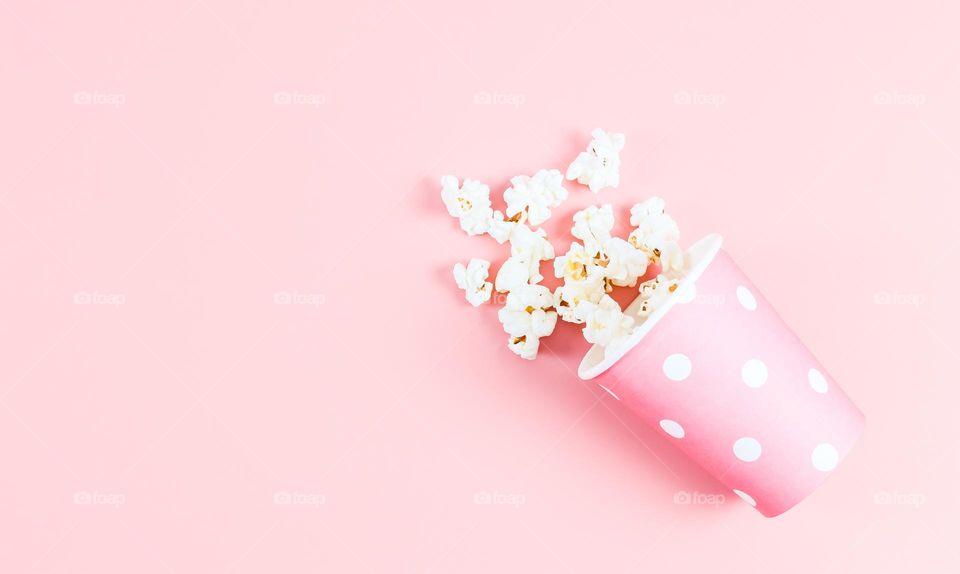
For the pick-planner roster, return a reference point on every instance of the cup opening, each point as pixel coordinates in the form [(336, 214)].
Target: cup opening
[(701, 255)]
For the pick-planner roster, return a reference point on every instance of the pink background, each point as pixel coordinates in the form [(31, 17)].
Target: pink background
[(149, 169)]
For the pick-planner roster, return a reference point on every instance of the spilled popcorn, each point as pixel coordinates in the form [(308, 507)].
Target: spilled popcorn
[(593, 226), (526, 317), (535, 195), (656, 234), (599, 166), (469, 203), (625, 263), (654, 292), (527, 249), (473, 280), (605, 323), (584, 280), (502, 228), (590, 269)]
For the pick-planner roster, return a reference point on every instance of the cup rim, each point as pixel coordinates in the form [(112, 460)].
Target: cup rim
[(701, 253)]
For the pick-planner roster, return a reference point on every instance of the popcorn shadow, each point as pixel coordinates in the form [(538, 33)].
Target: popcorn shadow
[(567, 343)]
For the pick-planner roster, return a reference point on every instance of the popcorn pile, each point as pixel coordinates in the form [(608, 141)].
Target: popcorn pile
[(590, 269)]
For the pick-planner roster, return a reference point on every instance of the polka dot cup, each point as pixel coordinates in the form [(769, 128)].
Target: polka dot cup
[(720, 374)]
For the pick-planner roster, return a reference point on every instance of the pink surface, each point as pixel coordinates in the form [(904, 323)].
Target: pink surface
[(737, 391), (176, 418)]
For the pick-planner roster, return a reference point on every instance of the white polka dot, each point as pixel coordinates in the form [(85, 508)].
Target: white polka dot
[(746, 497), (747, 449), (754, 373), (612, 394), (688, 293), (746, 298), (817, 380), (672, 428), (825, 457), (677, 367)]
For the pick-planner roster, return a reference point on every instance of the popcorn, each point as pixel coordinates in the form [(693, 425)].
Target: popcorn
[(526, 317), (568, 297), (574, 264), (535, 195), (673, 261), (470, 203), (593, 226), (599, 166), (644, 210), (501, 229), (657, 235), (473, 280), (532, 244), (525, 346), (514, 273), (625, 262), (654, 292), (651, 221), (660, 250), (605, 323), (583, 281), (527, 249)]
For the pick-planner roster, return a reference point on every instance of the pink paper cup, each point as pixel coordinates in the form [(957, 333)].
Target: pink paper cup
[(718, 372)]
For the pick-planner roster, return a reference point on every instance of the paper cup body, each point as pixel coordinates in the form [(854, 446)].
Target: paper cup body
[(726, 380)]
